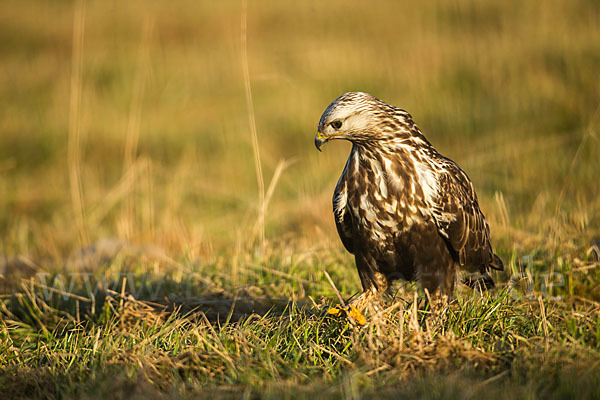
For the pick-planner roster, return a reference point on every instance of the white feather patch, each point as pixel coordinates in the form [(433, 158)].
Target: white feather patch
[(427, 181)]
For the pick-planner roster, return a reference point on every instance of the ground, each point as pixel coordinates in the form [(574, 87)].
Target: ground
[(141, 257)]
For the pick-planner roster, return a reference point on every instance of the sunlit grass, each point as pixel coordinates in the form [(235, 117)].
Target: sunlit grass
[(153, 281)]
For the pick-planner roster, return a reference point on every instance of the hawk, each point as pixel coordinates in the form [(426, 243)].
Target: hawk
[(401, 208)]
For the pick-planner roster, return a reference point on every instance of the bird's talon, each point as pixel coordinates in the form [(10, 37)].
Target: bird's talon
[(337, 311), (350, 312)]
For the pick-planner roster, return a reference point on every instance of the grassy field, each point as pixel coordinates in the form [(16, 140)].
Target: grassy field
[(165, 221)]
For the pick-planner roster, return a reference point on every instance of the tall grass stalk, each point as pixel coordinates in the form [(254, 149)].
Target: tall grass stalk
[(74, 144), (260, 223)]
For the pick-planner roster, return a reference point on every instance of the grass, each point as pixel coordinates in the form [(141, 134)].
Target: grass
[(131, 254)]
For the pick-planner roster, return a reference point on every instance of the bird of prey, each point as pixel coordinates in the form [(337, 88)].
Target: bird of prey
[(401, 208)]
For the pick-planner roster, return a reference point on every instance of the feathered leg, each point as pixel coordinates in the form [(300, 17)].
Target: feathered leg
[(373, 283), (438, 280)]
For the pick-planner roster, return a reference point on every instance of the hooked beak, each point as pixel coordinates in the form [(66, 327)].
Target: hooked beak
[(321, 138)]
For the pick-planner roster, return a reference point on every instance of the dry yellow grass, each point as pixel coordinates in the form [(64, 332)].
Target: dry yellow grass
[(127, 127)]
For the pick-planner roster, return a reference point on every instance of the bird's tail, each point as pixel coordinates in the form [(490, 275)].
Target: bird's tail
[(484, 282), (496, 263)]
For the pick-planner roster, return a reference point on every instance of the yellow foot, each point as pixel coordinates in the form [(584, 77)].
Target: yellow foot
[(349, 312)]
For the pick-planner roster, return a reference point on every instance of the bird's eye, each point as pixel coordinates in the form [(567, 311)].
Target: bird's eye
[(336, 124)]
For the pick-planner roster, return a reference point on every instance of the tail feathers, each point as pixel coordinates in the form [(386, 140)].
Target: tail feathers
[(484, 282), (496, 263)]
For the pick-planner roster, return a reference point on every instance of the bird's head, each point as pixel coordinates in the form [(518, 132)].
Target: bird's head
[(358, 117)]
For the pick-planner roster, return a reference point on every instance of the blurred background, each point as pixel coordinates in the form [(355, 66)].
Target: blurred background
[(131, 120)]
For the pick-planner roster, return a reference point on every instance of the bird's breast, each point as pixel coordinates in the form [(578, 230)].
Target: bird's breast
[(382, 196)]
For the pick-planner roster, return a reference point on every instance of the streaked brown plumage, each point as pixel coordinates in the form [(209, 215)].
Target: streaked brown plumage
[(404, 210)]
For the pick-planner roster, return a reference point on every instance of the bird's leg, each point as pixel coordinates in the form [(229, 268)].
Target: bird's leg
[(364, 299), (438, 282), (373, 283), (353, 310), (438, 285)]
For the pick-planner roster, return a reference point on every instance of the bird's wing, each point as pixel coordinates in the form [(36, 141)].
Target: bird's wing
[(343, 219), (458, 218)]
